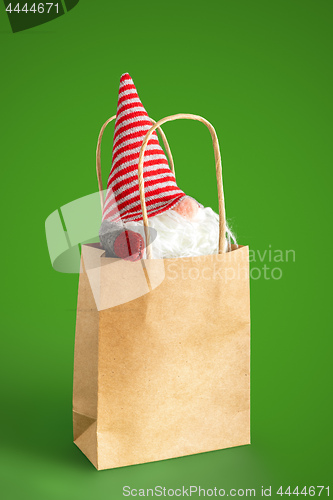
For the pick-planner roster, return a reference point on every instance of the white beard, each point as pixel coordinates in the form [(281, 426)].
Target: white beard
[(181, 237)]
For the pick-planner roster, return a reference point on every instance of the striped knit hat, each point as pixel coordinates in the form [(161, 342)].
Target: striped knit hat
[(122, 200)]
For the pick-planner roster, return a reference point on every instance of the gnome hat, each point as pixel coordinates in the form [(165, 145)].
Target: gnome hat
[(122, 200)]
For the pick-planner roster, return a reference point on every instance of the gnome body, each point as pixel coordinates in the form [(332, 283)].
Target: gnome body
[(183, 226)]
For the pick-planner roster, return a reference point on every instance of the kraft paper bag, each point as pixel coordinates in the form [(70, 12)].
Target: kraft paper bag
[(166, 374), (162, 350)]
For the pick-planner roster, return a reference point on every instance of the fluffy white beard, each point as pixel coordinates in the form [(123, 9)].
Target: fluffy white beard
[(180, 237)]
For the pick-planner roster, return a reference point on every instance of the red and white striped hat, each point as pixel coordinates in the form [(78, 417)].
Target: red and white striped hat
[(122, 200)]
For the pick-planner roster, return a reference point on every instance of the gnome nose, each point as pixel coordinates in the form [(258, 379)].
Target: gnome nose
[(187, 207), (129, 246)]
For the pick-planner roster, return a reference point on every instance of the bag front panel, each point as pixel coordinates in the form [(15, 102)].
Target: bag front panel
[(174, 363)]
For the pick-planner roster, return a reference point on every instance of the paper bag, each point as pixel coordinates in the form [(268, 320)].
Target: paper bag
[(162, 355)]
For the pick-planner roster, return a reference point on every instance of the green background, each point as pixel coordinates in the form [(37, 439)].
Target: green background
[(261, 73)]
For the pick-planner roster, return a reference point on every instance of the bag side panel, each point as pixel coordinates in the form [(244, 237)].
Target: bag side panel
[(85, 387)]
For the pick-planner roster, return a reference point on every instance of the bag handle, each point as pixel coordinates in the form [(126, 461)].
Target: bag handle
[(98, 154), (218, 166)]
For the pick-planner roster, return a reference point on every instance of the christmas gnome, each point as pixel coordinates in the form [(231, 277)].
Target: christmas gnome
[(184, 227)]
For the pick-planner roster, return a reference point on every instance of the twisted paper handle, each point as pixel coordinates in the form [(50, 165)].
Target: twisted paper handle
[(218, 165)]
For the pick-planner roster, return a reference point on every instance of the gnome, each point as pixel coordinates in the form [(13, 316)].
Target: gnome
[(183, 226)]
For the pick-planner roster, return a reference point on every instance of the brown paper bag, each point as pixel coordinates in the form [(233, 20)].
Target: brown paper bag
[(162, 352)]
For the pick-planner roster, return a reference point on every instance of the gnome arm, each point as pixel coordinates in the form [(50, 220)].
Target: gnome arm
[(119, 242)]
